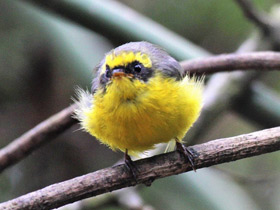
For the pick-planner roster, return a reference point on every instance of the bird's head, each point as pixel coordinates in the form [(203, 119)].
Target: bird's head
[(135, 61)]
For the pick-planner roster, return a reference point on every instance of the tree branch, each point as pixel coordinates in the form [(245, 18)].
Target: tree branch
[(230, 62), (268, 25), (55, 125), (117, 177), (37, 136), (260, 19)]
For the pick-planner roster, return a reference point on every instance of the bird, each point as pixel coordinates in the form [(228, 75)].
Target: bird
[(139, 98)]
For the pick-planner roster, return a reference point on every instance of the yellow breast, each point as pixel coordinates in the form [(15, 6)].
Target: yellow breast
[(135, 115)]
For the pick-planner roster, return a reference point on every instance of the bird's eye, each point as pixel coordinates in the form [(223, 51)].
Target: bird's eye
[(108, 72), (137, 67)]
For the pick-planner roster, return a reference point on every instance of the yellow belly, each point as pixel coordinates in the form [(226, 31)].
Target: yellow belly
[(135, 115)]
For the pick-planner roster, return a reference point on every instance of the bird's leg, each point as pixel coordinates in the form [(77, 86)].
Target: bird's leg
[(186, 152), (130, 165)]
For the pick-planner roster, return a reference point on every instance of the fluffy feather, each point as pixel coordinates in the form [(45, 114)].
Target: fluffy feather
[(135, 115), (84, 100)]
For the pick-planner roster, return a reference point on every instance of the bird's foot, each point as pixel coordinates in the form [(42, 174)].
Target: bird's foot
[(130, 166), (186, 153)]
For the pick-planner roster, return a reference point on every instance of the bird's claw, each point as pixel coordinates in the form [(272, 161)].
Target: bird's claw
[(130, 166), (186, 153)]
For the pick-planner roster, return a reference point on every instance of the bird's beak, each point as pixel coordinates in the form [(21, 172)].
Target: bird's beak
[(118, 72)]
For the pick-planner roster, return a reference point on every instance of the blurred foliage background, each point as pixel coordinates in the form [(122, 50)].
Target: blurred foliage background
[(44, 56)]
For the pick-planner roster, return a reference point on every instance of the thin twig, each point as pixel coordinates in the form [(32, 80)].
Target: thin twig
[(31, 140), (55, 125), (257, 17), (117, 177), (230, 62)]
